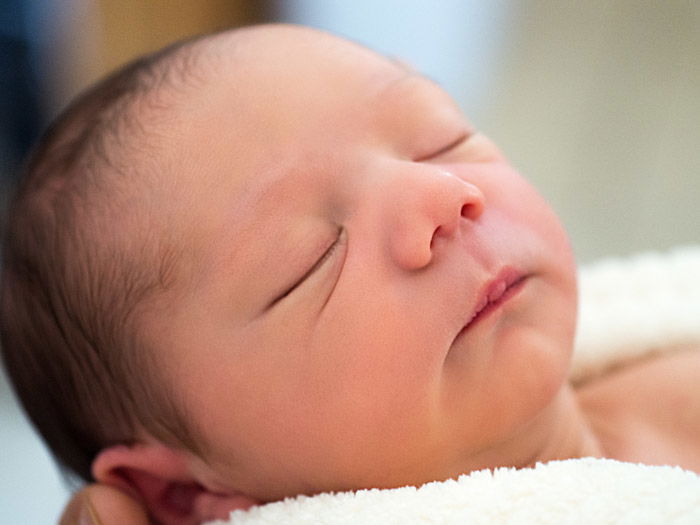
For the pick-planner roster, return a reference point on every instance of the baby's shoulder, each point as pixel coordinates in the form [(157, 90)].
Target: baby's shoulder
[(649, 411)]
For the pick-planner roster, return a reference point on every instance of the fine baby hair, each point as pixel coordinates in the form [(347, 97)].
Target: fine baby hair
[(272, 262), (77, 266)]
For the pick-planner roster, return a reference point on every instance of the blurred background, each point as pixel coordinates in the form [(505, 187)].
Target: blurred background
[(597, 103)]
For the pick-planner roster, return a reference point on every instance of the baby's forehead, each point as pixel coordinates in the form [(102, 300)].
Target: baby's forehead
[(270, 84), (277, 97), (288, 56)]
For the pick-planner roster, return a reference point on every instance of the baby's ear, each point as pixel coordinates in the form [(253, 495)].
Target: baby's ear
[(160, 477)]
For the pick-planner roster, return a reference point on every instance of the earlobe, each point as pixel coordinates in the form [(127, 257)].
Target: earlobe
[(161, 478)]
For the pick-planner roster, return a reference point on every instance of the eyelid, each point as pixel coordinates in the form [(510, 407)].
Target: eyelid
[(319, 262), (463, 137)]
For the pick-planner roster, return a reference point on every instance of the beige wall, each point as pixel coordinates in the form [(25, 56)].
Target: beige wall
[(133, 27), (96, 36), (598, 103)]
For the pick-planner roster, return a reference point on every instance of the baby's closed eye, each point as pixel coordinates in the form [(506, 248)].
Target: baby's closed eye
[(316, 272)]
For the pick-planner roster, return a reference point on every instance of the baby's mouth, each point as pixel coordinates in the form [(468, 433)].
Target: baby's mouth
[(507, 284)]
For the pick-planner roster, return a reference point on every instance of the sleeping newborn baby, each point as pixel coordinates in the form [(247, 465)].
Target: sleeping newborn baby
[(271, 262)]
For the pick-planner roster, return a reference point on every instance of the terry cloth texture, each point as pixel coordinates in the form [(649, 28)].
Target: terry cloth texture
[(585, 491), (629, 308), (633, 307)]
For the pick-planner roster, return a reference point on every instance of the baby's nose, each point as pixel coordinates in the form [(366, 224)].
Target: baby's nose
[(454, 200), (428, 207)]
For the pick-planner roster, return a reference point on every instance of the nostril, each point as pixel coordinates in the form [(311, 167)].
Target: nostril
[(435, 234), (472, 203), (472, 210)]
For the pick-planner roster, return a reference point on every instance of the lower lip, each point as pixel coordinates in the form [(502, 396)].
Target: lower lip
[(485, 312)]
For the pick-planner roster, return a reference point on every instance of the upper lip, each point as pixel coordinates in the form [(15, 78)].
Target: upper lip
[(494, 290)]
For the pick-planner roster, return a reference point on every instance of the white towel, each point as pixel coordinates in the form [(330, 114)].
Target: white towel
[(629, 308), (586, 491)]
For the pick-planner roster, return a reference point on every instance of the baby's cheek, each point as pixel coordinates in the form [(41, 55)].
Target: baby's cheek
[(539, 226), (374, 397)]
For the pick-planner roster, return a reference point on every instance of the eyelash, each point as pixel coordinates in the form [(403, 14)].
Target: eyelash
[(452, 145), (326, 255)]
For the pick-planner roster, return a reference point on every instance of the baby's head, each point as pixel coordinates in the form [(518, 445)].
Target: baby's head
[(272, 262)]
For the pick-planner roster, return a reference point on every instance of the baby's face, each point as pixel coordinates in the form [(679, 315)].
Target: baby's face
[(344, 226)]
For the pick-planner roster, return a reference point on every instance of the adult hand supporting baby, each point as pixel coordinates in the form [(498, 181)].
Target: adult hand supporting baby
[(103, 505)]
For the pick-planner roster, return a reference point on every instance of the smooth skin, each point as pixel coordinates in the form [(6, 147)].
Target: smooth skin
[(339, 222)]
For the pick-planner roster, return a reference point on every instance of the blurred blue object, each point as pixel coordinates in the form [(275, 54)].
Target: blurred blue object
[(31, 489), (455, 42), (20, 118)]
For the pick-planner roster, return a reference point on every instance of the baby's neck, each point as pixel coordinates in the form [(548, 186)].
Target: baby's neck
[(561, 431), (573, 435), (567, 433)]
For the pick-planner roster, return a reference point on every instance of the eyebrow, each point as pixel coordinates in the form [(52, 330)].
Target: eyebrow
[(391, 84), (410, 73), (402, 64)]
